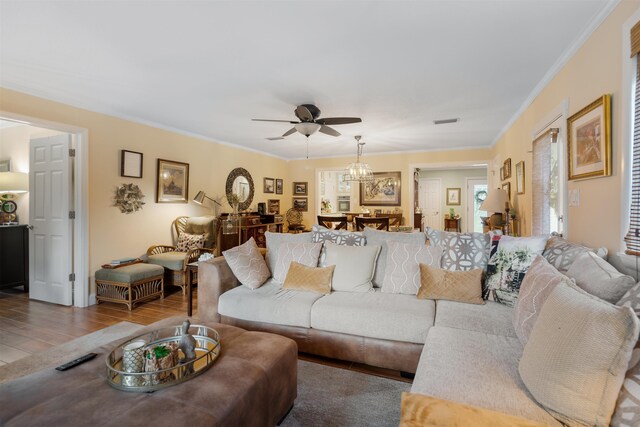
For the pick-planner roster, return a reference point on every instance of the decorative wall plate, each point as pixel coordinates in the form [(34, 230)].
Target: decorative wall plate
[(9, 206)]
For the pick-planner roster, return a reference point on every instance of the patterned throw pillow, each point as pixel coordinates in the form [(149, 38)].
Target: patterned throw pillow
[(275, 240), (627, 412), (187, 241), (402, 274), (461, 286), (302, 253), (511, 257), (540, 280), (561, 253), (247, 264), (339, 237), (461, 251)]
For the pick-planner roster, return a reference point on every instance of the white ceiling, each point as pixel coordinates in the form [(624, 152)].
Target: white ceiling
[(207, 67)]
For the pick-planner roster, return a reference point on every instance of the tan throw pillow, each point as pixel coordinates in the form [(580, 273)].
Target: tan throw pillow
[(461, 286), (540, 280), (311, 279), (577, 355), (419, 410), (247, 264), (402, 273)]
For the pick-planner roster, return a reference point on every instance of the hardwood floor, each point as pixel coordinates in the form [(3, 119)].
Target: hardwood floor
[(28, 326)]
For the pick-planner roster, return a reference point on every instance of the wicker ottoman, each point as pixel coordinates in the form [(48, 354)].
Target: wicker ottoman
[(130, 284)]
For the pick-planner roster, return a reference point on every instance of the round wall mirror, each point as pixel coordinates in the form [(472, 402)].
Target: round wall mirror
[(240, 183)]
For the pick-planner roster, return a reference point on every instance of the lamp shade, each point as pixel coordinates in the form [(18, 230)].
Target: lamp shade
[(199, 199), (497, 201), (307, 128), (14, 182)]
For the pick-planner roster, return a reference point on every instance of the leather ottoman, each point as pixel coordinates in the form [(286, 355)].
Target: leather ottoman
[(252, 383)]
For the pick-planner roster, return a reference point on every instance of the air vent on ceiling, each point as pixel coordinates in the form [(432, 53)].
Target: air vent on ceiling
[(445, 121)]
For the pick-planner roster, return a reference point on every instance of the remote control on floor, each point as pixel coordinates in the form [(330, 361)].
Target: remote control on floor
[(76, 362)]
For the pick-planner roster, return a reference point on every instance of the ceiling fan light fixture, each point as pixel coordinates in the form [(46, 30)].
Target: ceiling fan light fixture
[(307, 128), (358, 171)]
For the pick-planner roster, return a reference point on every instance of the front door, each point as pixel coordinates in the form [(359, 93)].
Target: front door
[(476, 193), (50, 240), (430, 195)]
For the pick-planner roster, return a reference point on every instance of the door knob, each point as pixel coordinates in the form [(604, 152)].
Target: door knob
[(30, 227)]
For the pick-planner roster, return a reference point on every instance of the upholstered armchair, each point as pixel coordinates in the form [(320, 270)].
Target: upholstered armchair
[(194, 236)]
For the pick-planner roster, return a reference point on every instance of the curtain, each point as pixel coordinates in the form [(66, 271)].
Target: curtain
[(541, 182)]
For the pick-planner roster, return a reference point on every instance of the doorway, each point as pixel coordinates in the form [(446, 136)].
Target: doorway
[(55, 157), (476, 193), (430, 195)]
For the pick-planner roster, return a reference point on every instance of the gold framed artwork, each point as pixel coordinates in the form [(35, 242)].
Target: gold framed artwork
[(279, 185), (383, 190), (453, 196), (269, 185), (520, 177), (273, 206), (172, 182), (301, 204), (506, 169), (501, 173), (589, 140), (507, 187), (299, 188)]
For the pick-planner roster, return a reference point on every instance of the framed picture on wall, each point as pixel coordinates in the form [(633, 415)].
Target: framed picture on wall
[(520, 177), (301, 204), (453, 196), (269, 185), (5, 165), (130, 164), (507, 187), (273, 206), (506, 174), (501, 173), (383, 190), (172, 182), (589, 140), (279, 186), (299, 188)]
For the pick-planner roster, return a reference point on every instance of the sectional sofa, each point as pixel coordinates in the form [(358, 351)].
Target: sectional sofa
[(467, 353)]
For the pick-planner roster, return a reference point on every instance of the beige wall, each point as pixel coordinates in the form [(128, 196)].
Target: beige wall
[(305, 170), (115, 235), (594, 70)]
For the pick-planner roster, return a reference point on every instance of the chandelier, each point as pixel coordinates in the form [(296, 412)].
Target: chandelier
[(358, 171)]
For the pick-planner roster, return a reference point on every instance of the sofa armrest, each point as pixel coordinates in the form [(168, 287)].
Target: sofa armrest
[(214, 278)]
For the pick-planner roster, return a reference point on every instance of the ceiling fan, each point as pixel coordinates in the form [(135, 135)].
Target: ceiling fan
[(310, 123)]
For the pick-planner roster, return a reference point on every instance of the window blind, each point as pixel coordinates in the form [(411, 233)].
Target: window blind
[(541, 182), (632, 238), (635, 40)]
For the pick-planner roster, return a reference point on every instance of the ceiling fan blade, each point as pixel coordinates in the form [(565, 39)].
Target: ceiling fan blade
[(275, 138), (269, 120), (289, 132), (303, 113), (329, 131), (338, 120)]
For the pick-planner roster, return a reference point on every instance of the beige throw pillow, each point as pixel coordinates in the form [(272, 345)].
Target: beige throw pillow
[(247, 264), (311, 279), (303, 253), (461, 286), (540, 280), (355, 266), (577, 355), (402, 273)]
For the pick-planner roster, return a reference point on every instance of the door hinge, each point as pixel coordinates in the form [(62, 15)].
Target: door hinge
[(72, 152), (72, 214), (72, 277)]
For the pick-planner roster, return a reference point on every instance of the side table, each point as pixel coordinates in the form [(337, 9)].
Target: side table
[(192, 279)]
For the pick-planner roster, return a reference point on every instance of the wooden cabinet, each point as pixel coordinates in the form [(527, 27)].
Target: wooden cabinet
[(14, 256), (250, 226), (452, 224)]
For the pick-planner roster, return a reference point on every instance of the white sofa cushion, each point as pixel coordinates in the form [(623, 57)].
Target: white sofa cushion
[(402, 273), (393, 317), (380, 238), (477, 369), (599, 278), (247, 264), (354, 266), (274, 240), (490, 318), (302, 253), (270, 304)]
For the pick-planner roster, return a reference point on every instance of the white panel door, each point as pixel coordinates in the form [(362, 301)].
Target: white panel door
[(50, 240), (430, 194), (476, 192)]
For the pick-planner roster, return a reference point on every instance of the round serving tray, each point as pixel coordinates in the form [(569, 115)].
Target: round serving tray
[(207, 351)]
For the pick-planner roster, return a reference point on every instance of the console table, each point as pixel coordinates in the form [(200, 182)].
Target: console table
[(250, 226), (452, 224)]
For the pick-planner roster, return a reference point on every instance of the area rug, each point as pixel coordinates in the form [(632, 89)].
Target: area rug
[(67, 351), (330, 396)]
